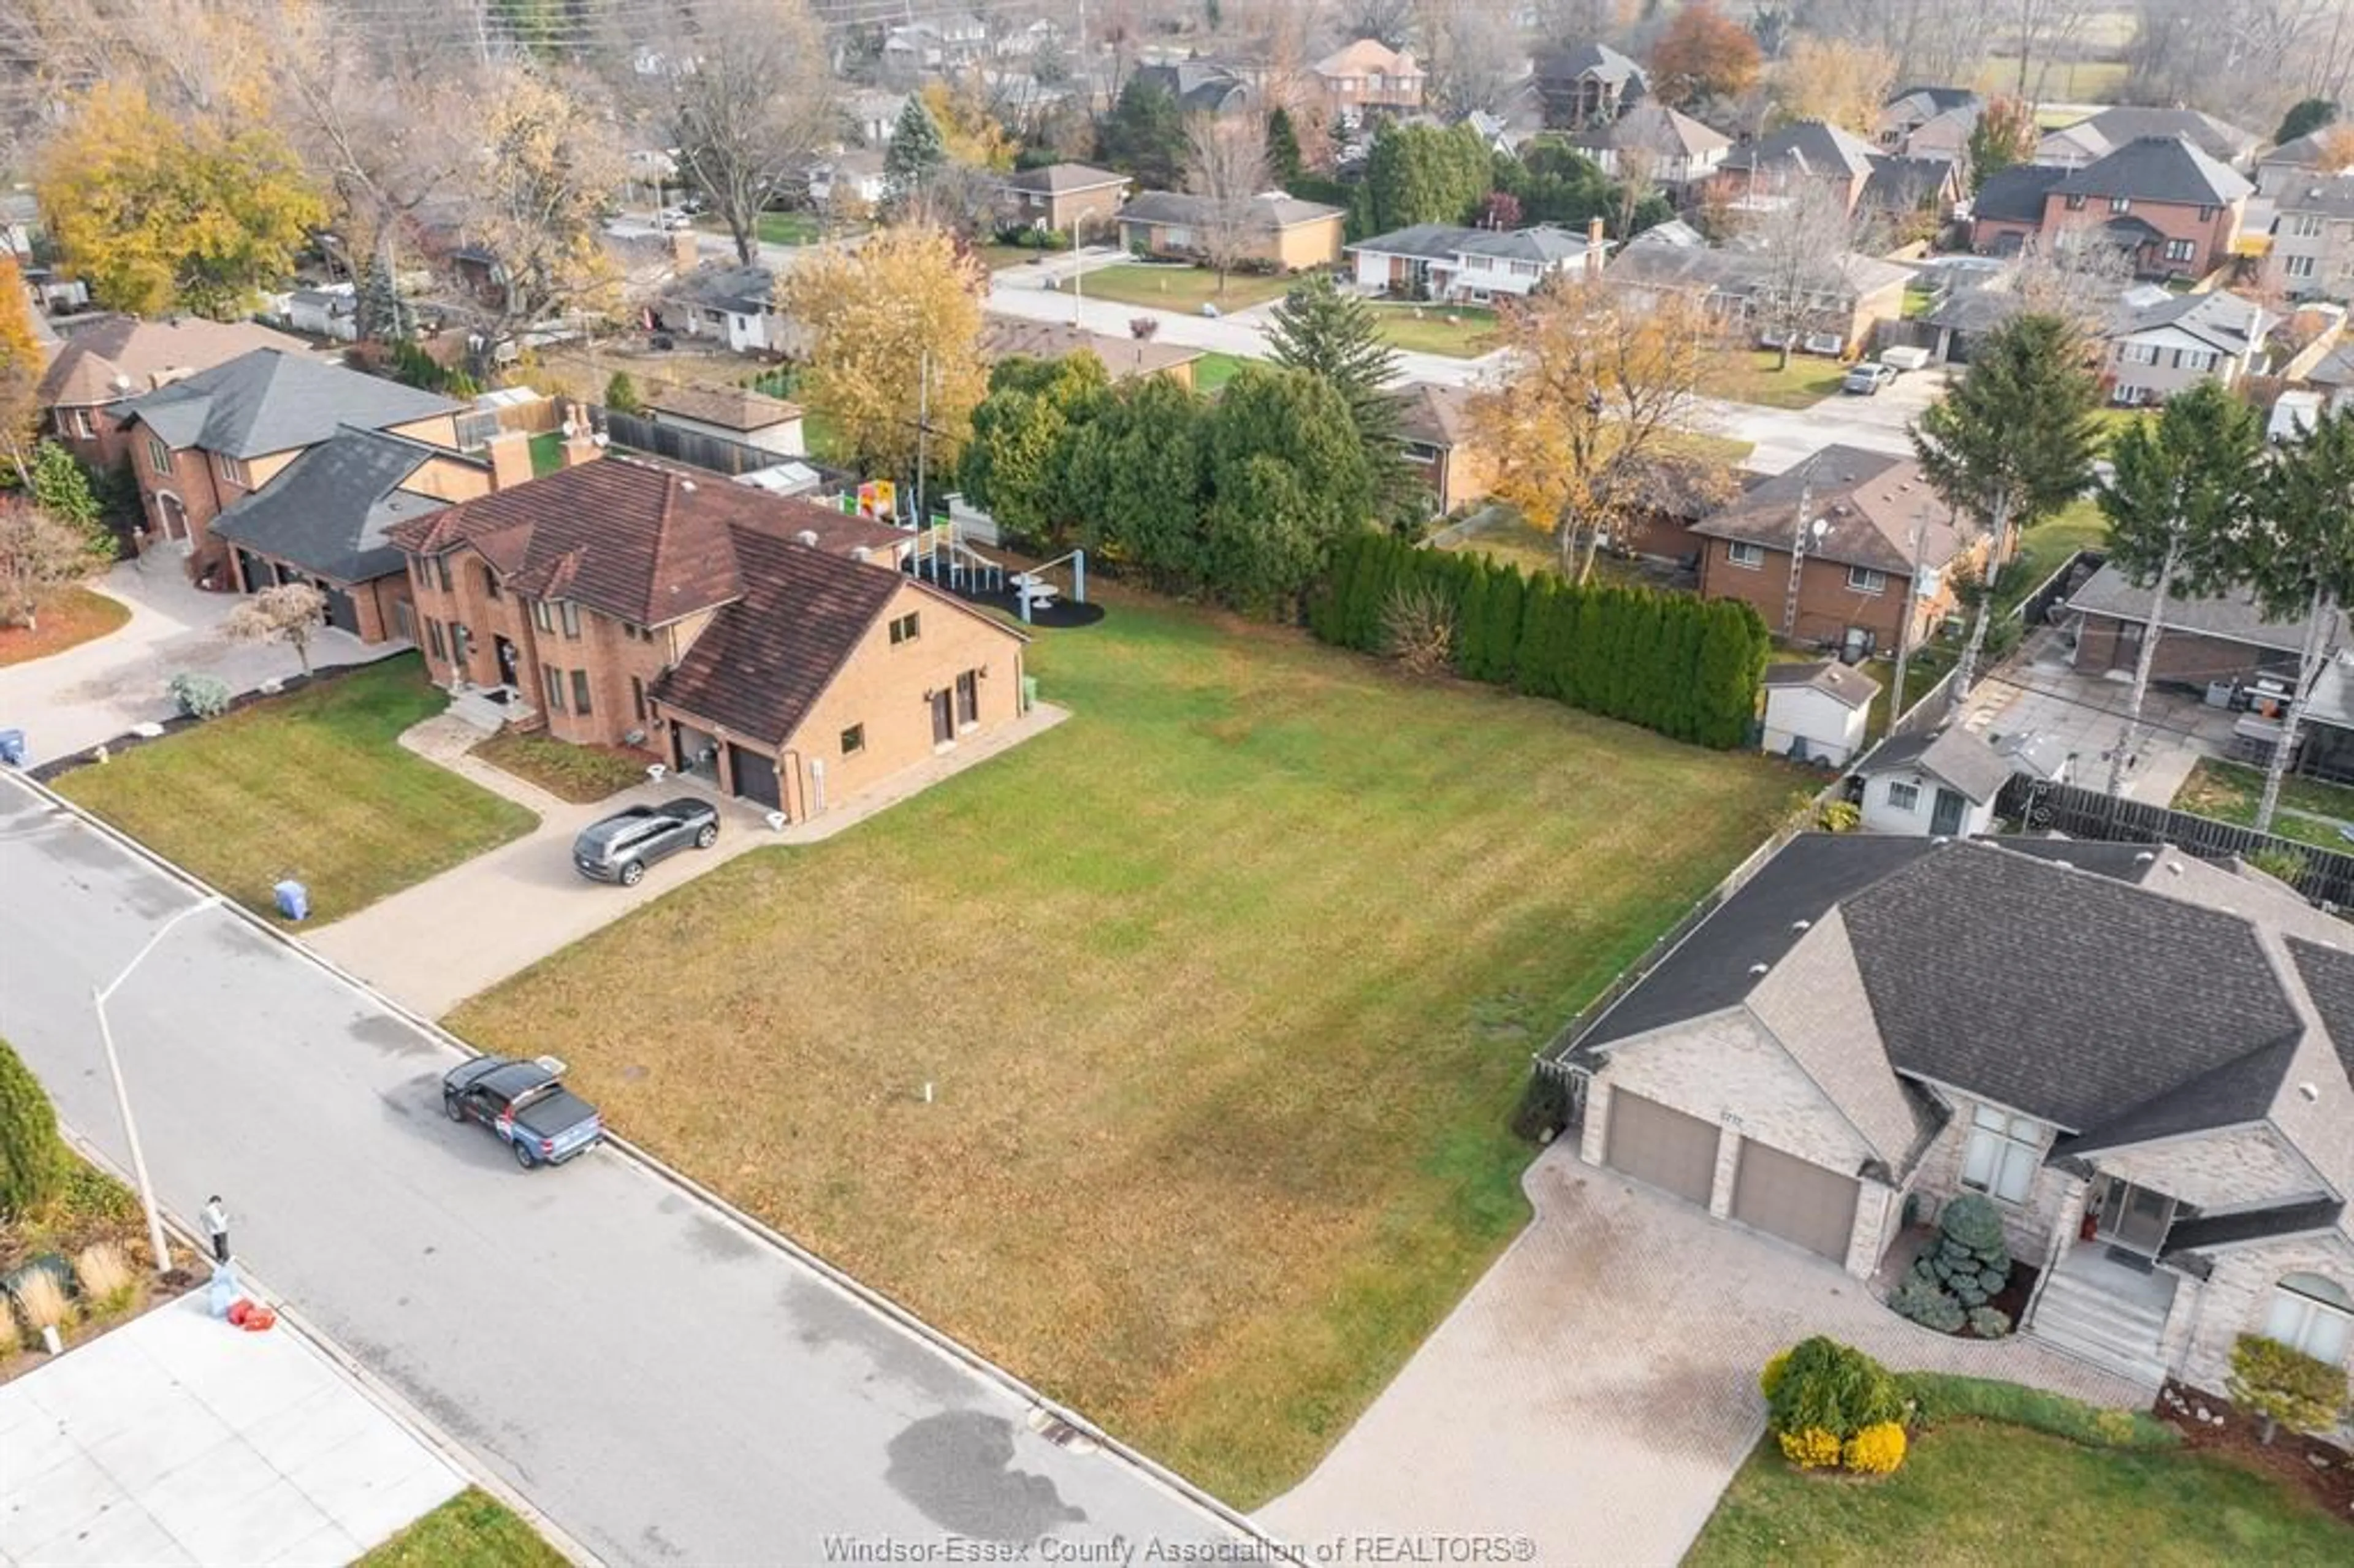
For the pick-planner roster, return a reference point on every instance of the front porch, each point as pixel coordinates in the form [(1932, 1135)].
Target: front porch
[(2107, 1306)]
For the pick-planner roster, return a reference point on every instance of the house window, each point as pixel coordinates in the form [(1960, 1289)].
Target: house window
[(81, 425), (159, 456), (853, 740), (2129, 396), (2206, 215), (490, 582), (2297, 266), (968, 697), (637, 699), (433, 639), (1863, 579), (2194, 359), (2305, 225), (2178, 250), (541, 615), (904, 629), (441, 569), (2003, 1154), (1904, 797), (580, 691), (2075, 203), (231, 470), (1741, 553), (2120, 203), (2136, 354), (571, 613), (2313, 1315), (403, 620), (551, 681)]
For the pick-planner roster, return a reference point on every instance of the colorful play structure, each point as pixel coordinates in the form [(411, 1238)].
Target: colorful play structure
[(944, 556)]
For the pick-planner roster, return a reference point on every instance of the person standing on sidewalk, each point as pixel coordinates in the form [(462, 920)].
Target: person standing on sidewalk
[(216, 1220)]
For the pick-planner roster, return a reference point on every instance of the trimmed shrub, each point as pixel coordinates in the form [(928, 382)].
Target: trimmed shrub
[(1834, 1387), (1770, 1378), (1939, 1398), (1921, 1299), (1876, 1450), (199, 696), (1812, 1449), (2284, 1387), (1840, 817), (1956, 1278), (33, 1159), (1988, 1323)]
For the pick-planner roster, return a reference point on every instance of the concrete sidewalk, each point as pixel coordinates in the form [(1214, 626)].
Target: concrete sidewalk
[(432, 945), (179, 1439)]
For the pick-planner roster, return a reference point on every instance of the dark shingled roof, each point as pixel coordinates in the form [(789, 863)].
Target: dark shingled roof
[(329, 512), (1907, 185), (1708, 971), (2016, 195), (2252, 1224), (1955, 755), (1815, 145), (765, 660), (2329, 977), (273, 401), (2160, 169), (1571, 61), (1977, 962)]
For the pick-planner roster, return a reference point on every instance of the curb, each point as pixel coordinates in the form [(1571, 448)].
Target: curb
[(375, 1390), (866, 1295)]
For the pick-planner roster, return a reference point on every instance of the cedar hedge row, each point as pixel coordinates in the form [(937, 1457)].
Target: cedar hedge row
[(1686, 667)]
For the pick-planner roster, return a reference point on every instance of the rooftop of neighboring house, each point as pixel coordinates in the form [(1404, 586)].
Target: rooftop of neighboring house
[(1543, 243), (1063, 179), (2323, 196), (1908, 184), (2234, 617), (331, 510), (2122, 993), (2218, 318), (1009, 338), (1196, 84), (724, 285), (2334, 369), (1842, 683), (1271, 209), (2112, 128), (1368, 57), (1928, 103), (2016, 195), (855, 162), (1434, 415), (1674, 256), (1597, 61), (729, 408), (1654, 127), (2304, 151), (98, 358), (1872, 503), (2162, 168), (1955, 756), (1813, 146), (273, 400)]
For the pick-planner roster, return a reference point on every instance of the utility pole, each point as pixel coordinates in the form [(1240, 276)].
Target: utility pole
[(923, 436), (1905, 624)]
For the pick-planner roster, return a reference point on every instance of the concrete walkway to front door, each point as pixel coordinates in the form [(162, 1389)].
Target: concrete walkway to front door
[(432, 945), (1599, 1387)]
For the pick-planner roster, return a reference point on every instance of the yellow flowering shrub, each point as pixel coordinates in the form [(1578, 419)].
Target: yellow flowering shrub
[(1876, 1450), (1812, 1449)]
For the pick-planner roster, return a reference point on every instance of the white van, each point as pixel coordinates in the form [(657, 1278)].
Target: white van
[(1906, 359)]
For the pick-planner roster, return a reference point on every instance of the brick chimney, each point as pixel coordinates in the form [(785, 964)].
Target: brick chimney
[(1595, 247), (582, 446), (510, 455)]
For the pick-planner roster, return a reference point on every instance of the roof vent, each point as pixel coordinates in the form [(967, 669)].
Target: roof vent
[(2308, 1093), (861, 554), (2174, 868), (1758, 969), (1800, 924), (806, 536), (687, 485), (2145, 857)]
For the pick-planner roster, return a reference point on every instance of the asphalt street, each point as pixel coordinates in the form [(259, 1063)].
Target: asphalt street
[(664, 1385)]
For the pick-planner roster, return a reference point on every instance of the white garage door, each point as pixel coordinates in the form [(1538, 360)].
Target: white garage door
[(1655, 1143), (1795, 1199)]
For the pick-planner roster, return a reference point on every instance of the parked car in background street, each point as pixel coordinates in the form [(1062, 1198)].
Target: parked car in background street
[(619, 848), (1867, 378), (526, 1104)]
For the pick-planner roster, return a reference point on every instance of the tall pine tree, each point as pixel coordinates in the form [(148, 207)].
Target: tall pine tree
[(1336, 338), (918, 147)]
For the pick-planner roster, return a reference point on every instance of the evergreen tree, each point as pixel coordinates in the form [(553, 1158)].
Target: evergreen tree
[(60, 486), (379, 314), (33, 1159), (621, 393), (2011, 444), (1506, 595), (2298, 557), (2304, 118), (1472, 623), (1287, 479), (1532, 655), (1335, 338), (1144, 135), (917, 148), (1282, 148), (1425, 174)]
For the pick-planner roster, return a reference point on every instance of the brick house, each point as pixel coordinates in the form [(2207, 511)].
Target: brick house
[(105, 364), (1841, 1041), (1369, 74), (201, 444), (1583, 84), (1063, 197), (1863, 509), (766, 644), (2224, 638), (1436, 430), (1735, 282), (2008, 210), (1929, 121), (1285, 233), (2175, 210), (1680, 151)]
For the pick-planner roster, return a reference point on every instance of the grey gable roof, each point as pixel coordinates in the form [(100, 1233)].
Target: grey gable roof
[(2329, 977), (1977, 961), (2159, 169), (328, 510), (1598, 60), (1954, 755), (1907, 185), (2329, 195), (1543, 243), (2216, 138), (272, 401), (1822, 148), (2234, 617), (2218, 318), (2016, 195), (1269, 209)]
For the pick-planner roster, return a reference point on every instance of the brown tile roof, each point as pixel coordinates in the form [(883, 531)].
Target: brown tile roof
[(147, 354), (729, 408), (1005, 337), (1434, 415)]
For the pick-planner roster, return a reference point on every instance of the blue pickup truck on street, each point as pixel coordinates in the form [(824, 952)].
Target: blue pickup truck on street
[(526, 1104)]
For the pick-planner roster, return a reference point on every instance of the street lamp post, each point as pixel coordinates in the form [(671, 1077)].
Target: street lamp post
[(98, 999)]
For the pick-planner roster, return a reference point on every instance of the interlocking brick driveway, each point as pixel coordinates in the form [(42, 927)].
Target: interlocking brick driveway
[(1598, 1388)]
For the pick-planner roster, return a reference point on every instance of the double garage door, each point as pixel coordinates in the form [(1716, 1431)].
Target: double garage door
[(1776, 1193)]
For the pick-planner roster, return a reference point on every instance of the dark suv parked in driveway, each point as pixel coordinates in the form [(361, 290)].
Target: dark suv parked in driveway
[(619, 848)]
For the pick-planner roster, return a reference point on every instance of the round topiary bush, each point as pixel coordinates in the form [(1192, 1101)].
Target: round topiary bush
[(1834, 1387), (1876, 1450), (33, 1159), (1966, 1268)]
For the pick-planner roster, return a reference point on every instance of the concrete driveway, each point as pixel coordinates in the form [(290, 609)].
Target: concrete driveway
[(432, 945), (2039, 692), (72, 700), (1597, 1389)]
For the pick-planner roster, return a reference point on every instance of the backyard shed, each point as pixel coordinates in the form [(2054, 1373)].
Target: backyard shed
[(1816, 713)]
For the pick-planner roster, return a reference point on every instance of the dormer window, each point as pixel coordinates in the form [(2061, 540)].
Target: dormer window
[(231, 470)]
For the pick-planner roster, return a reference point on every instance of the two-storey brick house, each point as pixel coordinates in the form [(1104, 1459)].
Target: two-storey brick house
[(2169, 206), (2144, 1061), (767, 644), (107, 363)]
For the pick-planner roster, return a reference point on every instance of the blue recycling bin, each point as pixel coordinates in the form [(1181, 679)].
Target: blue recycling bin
[(294, 900), (12, 748)]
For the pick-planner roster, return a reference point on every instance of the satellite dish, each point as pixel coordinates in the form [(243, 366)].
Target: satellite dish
[(570, 430), (599, 439)]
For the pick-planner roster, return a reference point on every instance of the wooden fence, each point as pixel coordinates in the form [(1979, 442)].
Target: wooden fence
[(2039, 806), (697, 449)]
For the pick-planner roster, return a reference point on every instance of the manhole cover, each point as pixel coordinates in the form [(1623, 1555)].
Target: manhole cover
[(1060, 1432)]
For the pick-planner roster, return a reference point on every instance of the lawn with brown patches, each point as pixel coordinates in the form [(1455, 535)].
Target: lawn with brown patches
[(1226, 988), (79, 616)]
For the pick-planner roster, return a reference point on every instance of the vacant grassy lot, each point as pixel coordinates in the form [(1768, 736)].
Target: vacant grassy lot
[(472, 1529), (1748, 375), (568, 772), (1226, 988), (79, 616), (1979, 1493), (312, 785), (2310, 810), (1464, 331), (1174, 288)]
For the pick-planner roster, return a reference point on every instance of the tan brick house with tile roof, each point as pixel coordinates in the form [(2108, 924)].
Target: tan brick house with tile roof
[(767, 644)]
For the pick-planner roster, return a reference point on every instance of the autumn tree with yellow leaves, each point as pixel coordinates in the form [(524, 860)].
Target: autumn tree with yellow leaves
[(894, 330), (1592, 426), (20, 371), (1836, 80), (198, 213)]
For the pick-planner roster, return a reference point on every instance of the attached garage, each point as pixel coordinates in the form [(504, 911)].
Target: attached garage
[(1657, 1144), (1795, 1199), (755, 776)]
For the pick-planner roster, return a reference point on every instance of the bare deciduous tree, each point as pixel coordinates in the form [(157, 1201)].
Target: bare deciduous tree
[(1469, 53), (290, 613), (41, 556), (1226, 168), (1803, 234), (2075, 276)]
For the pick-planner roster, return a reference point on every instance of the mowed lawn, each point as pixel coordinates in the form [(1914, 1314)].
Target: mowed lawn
[(1226, 988), (1170, 287), (313, 786), (1981, 1493), (472, 1529)]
